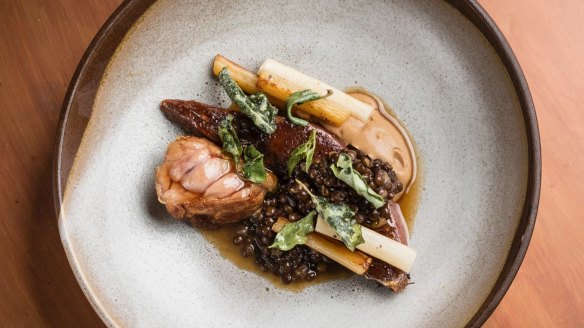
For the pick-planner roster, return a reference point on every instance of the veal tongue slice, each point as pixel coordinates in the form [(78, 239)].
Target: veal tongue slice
[(203, 120)]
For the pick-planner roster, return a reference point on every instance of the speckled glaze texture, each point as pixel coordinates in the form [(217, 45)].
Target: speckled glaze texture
[(140, 268)]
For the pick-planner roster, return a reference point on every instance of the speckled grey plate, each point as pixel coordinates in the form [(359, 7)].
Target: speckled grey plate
[(443, 67)]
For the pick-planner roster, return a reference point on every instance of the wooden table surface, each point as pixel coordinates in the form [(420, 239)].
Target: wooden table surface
[(41, 43)]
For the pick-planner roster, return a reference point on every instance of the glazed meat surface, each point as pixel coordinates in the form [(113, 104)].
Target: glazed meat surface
[(203, 120)]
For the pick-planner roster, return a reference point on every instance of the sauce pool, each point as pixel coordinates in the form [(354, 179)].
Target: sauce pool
[(222, 239)]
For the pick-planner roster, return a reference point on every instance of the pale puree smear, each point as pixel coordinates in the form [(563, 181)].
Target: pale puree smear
[(381, 136)]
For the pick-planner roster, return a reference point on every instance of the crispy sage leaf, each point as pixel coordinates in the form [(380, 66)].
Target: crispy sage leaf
[(294, 233), (299, 98), (340, 218), (253, 167), (229, 138), (256, 107), (344, 171), (304, 151)]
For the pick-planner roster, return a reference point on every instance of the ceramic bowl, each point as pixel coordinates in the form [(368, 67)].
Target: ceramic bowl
[(442, 65)]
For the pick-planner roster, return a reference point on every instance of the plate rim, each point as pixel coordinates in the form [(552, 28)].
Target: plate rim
[(102, 48)]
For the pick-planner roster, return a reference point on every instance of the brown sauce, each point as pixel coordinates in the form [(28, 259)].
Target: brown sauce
[(409, 202), (222, 238)]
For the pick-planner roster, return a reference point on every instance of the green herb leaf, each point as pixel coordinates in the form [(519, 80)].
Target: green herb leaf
[(299, 98), (304, 151), (344, 171), (229, 138), (253, 167), (340, 219), (294, 233), (256, 106), (253, 161)]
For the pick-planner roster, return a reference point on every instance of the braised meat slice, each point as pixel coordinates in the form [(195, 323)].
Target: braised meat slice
[(203, 120)]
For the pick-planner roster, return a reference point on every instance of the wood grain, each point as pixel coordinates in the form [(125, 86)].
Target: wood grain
[(42, 43), (549, 44)]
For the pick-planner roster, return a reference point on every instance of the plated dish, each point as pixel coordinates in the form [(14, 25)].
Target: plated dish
[(303, 192), (442, 66)]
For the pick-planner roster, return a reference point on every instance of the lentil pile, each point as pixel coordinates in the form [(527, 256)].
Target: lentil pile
[(254, 234)]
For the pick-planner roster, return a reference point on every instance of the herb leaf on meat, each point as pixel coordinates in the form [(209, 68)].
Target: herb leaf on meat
[(299, 98), (231, 143), (304, 151), (340, 218), (294, 233), (253, 167), (253, 161), (256, 107), (344, 171)]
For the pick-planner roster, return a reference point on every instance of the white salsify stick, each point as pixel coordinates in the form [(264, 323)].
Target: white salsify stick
[(377, 245), (296, 81)]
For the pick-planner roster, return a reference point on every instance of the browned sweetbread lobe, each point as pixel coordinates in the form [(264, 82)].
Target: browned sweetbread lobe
[(198, 183)]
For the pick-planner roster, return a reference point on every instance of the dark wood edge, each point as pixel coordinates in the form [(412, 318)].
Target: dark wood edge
[(105, 43)]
